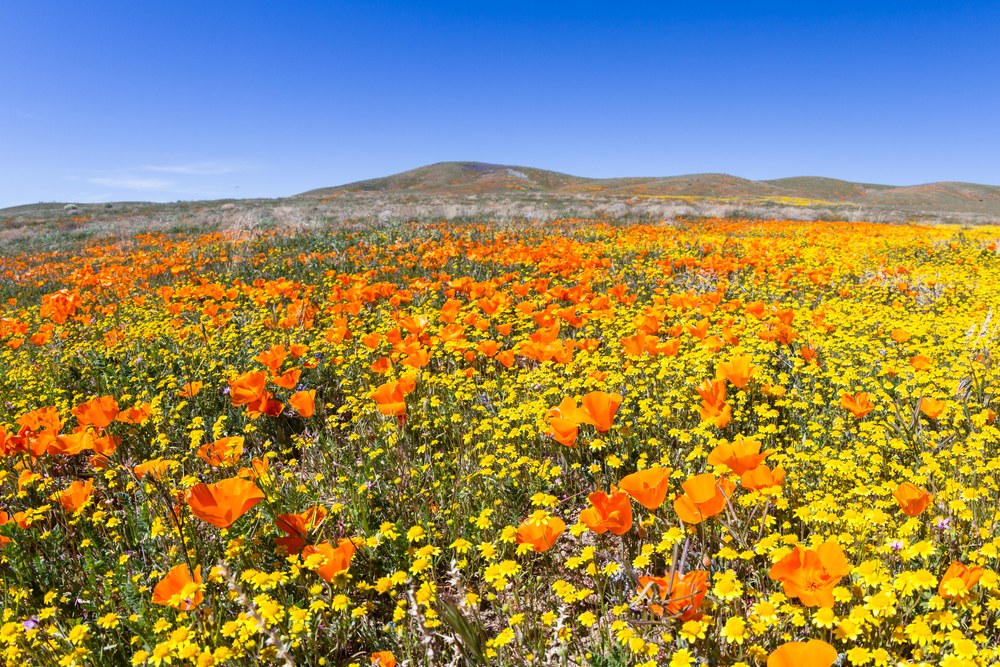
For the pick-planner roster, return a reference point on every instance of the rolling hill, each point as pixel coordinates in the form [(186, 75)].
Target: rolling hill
[(470, 178)]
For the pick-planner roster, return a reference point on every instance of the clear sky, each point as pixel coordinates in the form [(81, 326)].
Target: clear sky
[(175, 99)]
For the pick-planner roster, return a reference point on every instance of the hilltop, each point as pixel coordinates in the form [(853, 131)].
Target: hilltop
[(478, 190), (478, 178)]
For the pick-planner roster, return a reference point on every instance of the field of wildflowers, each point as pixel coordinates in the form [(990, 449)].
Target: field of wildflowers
[(727, 442)]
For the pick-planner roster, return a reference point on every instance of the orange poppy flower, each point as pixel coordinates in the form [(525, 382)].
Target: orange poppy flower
[(738, 370), (191, 389), (900, 335), (932, 407), (97, 412), (26, 478), (155, 468), (288, 379), (714, 408), (648, 487), (859, 404), (813, 653), (681, 597), (383, 659), (540, 531), (265, 404), (608, 512), (74, 497), (569, 410), (137, 414), (304, 402), (506, 358), (222, 503), (564, 421), (107, 444), (382, 365), (273, 358), (488, 348), (912, 499), (704, 496), (634, 345), (601, 406), (73, 443), (226, 451), (921, 363), (762, 477), (4, 519), (42, 419), (811, 575), (336, 559), (257, 472), (179, 589), (390, 399), (298, 526), (564, 431), (958, 580), (247, 388), (372, 340), (741, 455)]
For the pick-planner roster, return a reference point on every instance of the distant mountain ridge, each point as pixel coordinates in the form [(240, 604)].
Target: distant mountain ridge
[(468, 178)]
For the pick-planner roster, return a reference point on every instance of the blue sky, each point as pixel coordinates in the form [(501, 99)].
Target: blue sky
[(124, 100)]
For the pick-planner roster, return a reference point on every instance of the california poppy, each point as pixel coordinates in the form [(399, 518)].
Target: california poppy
[(741, 455), (265, 404), (921, 363), (634, 345), (137, 414), (738, 370), (390, 397), (932, 407), (288, 379), (247, 388), (297, 527), (762, 477), (273, 358), (811, 575), (912, 499), (859, 404), (958, 580), (4, 519), (540, 531), (704, 496), (257, 472), (714, 408), (564, 431), (155, 468), (72, 443), (681, 596), (97, 412), (76, 495), (304, 402), (222, 503), (814, 653), (191, 389), (649, 486), (178, 589), (372, 340), (383, 659), (336, 560), (601, 406), (608, 512), (900, 335), (564, 421)]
